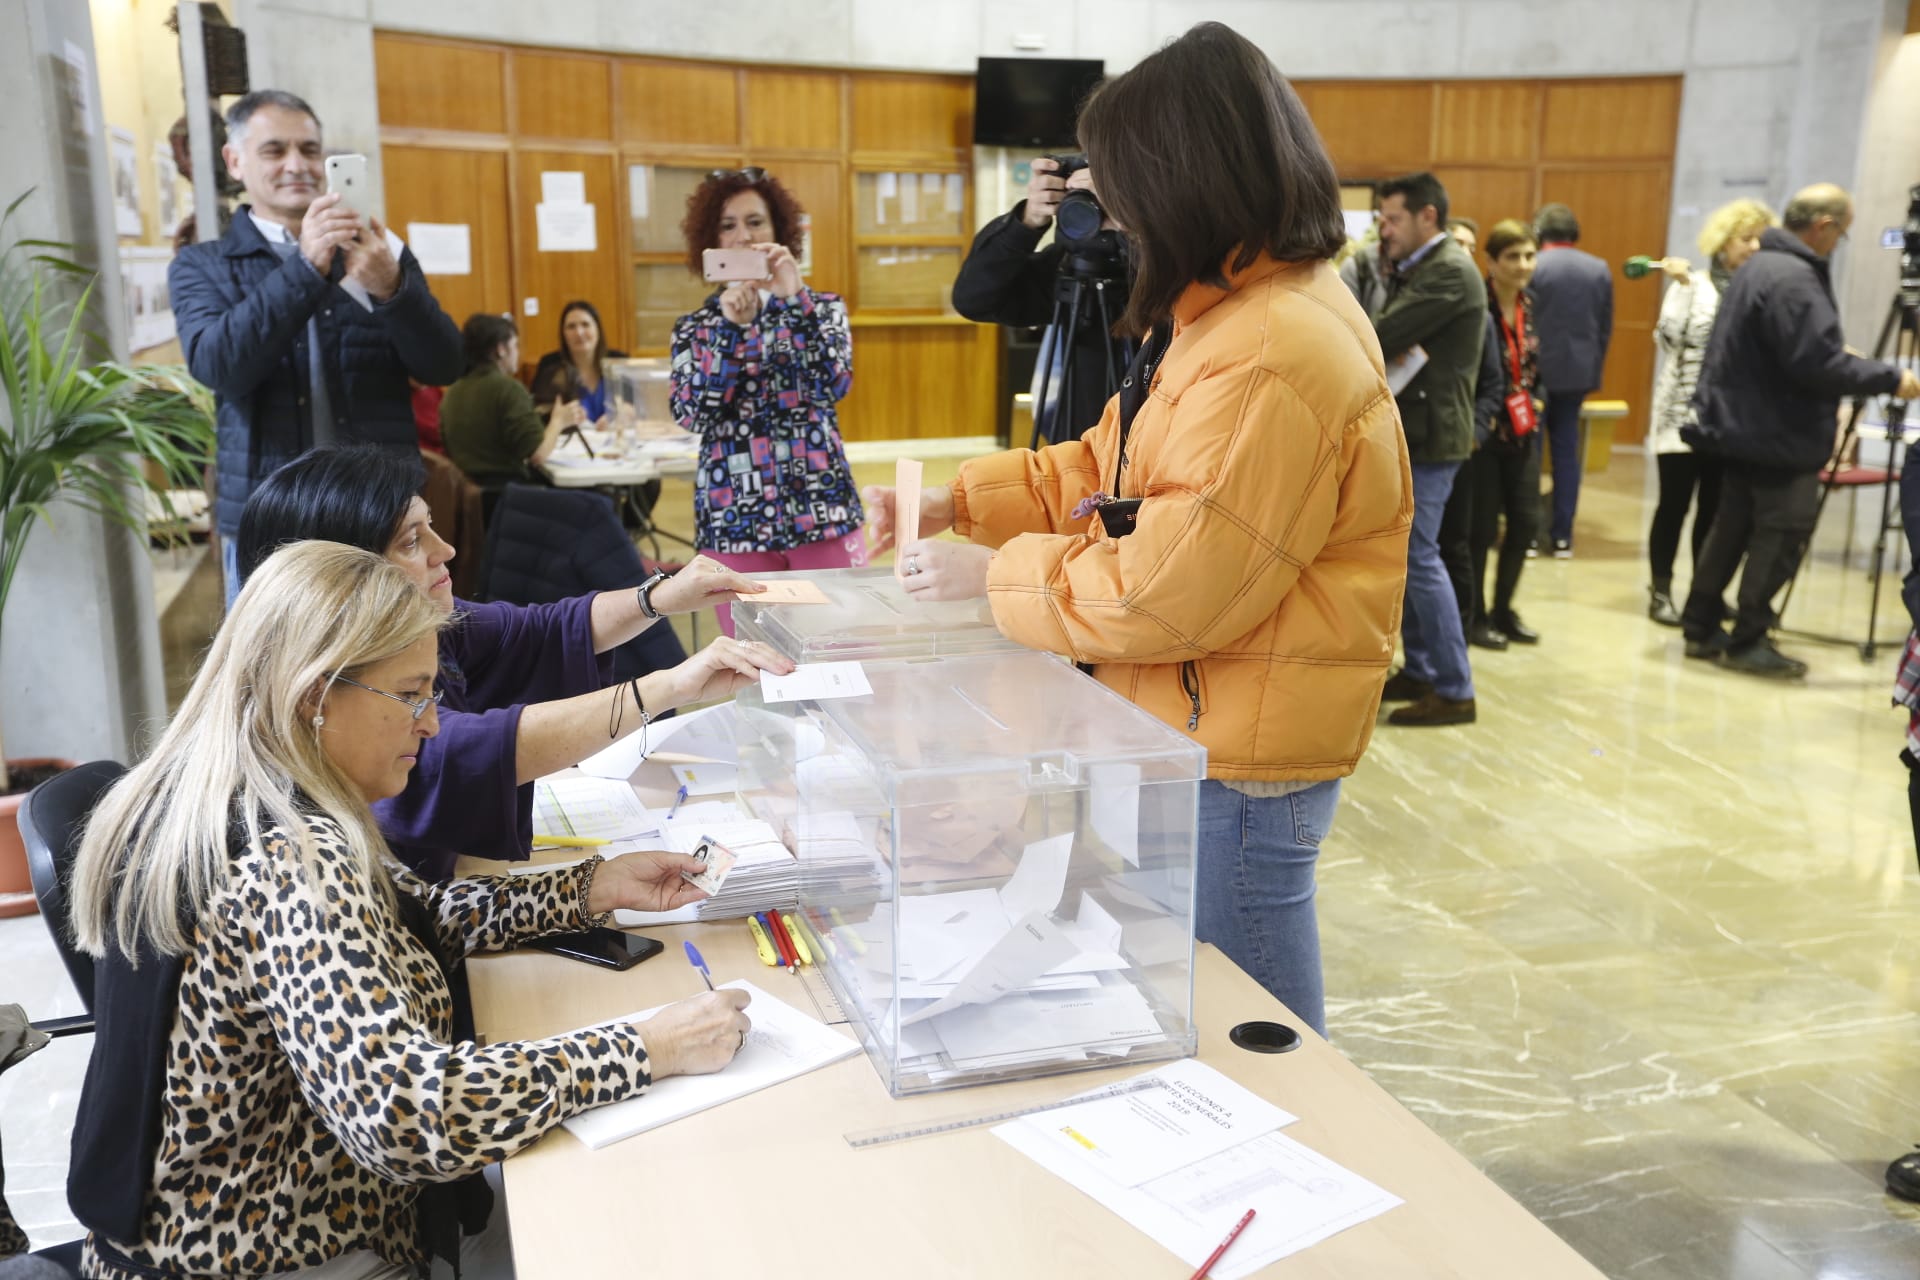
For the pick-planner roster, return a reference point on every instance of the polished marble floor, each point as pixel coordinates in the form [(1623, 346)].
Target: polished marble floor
[(1641, 943)]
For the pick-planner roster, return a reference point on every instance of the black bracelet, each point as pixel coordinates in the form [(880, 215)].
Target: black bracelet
[(616, 715)]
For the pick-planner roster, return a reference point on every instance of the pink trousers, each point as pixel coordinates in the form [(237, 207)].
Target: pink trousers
[(849, 552)]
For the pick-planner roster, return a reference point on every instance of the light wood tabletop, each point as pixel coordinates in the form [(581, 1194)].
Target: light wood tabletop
[(768, 1186)]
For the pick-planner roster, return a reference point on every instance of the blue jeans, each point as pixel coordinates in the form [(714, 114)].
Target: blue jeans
[(230, 567), (1255, 887), (1430, 623), (1562, 420)]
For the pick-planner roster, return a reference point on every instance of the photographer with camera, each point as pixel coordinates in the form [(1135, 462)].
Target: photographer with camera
[(1008, 279)]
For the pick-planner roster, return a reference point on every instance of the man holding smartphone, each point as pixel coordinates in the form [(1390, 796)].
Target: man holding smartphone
[(306, 318)]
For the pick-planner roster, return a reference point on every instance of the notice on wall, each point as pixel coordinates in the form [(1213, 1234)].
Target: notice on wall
[(566, 228), (637, 182), (443, 248), (561, 186)]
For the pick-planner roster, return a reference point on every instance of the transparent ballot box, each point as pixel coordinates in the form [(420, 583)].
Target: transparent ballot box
[(638, 395), (869, 615), (996, 861)]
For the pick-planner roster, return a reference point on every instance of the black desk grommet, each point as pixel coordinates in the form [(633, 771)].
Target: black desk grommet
[(1265, 1037)]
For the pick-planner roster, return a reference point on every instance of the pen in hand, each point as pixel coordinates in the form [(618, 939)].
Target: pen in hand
[(694, 958)]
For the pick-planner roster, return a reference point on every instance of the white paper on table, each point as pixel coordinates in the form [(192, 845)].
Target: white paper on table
[(908, 477), (707, 779), (1040, 879), (1299, 1196), (1034, 945), (443, 248), (565, 228), (564, 187), (1137, 1137), (815, 680), (1113, 803), (693, 734), (784, 1043), (593, 808), (1402, 368), (1032, 1025)]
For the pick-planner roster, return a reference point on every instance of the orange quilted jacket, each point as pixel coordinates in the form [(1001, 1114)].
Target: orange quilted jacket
[(1255, 604)]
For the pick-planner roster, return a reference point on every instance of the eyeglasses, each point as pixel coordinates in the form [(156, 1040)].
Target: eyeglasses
[(752, 173), (419, 708)]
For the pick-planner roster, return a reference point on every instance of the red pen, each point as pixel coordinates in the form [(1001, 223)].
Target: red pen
[(787, 952), (1214, 1257)]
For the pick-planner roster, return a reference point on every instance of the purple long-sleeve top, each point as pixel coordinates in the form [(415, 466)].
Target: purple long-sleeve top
[(464, 795)]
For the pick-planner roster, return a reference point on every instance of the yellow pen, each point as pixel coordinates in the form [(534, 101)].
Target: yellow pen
[(791, 920), (762, 944), (567, 842)]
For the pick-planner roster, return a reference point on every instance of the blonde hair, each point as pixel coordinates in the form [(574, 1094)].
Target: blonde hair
[(243, 748), (1735, 220)]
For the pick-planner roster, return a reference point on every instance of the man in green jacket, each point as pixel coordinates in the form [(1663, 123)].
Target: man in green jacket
[(1431, 330)]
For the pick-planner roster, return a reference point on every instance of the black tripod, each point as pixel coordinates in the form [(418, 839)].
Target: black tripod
[(1902, 332), (1079, 297)]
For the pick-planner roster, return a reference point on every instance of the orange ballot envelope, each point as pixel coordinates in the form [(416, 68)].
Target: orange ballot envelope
[(907, 475), (789, 591)]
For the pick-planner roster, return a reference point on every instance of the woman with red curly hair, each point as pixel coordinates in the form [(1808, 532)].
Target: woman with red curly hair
[(757, 371)]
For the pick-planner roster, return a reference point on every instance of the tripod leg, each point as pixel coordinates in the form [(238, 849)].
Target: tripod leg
[(1106, 339), (1049, 349)]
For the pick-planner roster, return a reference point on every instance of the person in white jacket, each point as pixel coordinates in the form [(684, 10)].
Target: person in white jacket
[(1687, 312)]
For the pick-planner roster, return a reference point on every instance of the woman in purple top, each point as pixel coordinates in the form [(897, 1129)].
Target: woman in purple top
[(525, 685)]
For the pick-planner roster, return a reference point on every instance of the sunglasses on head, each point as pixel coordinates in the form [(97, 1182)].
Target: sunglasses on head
[(752, 173)]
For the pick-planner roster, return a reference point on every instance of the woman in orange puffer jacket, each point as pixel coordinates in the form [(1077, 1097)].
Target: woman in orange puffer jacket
[(1227, 548)]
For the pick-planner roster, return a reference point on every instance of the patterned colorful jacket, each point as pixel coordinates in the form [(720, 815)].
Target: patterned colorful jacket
[(773, 474)]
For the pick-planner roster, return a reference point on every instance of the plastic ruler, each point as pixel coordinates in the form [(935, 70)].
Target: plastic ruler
[(955, 1124)]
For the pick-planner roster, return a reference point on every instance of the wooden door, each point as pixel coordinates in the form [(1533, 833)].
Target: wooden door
[(462, 188), (1622, 212), (546, 278)]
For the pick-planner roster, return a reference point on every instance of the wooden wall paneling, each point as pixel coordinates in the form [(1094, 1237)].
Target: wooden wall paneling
[(922, 381), (919, 114), (552, 278), (1373, 129), (562, 95), (1622, 211), (793, 111), (434, 184), (433, 84), (1487, 122), (1610, 119), (679, 103), (1487, 194), (821, 188)]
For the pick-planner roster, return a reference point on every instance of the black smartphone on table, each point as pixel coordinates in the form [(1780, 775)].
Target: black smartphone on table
[(609, 948)]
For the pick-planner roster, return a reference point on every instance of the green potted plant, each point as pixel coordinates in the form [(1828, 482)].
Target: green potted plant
[(78, 426)]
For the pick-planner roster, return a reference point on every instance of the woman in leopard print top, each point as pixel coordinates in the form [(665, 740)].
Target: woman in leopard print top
[(310, 1084)]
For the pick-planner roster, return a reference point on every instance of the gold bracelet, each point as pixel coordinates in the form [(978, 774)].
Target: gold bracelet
[(583, 877)]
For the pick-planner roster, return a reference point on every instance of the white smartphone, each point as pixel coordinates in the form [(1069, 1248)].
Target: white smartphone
[(724, 266), (347, 177)]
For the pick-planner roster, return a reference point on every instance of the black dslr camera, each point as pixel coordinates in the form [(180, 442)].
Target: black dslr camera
[(1077, 220)]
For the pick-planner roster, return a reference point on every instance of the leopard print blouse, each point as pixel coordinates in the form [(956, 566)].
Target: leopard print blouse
[(311, 1085)]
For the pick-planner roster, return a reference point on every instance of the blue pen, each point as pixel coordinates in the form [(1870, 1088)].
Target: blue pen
[(678, 800), (693, 957)]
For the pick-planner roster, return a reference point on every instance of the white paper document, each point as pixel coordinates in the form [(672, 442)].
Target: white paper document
[(707, 779), (1300, 1197), (1402, 368), (565, 228), (590, 808), (1034, 945), (784, 1043), (701, 733), (814, 681), (561, 186), (443, 248)]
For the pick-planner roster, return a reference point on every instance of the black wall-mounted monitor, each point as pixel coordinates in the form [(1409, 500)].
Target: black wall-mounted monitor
[(1031, 102)]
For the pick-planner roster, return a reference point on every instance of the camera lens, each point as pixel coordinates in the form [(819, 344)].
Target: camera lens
[(1078, 217)]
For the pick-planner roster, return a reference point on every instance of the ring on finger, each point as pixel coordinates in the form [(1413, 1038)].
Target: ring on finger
[(913, 565), (743, 1042)]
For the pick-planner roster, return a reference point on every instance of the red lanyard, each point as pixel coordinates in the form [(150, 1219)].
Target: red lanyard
[(1513, 332)]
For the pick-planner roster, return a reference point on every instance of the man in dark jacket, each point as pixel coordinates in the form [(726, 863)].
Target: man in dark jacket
[(1766, 404), (1435, 317), (1007, 279), (305, 320), (1573, 300)]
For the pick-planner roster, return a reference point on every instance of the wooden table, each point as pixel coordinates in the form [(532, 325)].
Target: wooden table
[(767, 1186)]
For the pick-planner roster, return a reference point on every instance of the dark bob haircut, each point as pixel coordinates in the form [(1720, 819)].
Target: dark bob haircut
[(1204, 152), (1418, 191), (701, 226), (1507, 233), (356, 494), (483, 335)]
